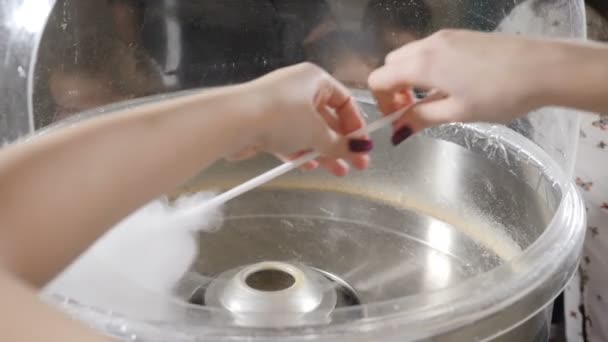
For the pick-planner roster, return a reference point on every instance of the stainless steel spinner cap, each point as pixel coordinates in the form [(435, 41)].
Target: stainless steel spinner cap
[(270, 294)]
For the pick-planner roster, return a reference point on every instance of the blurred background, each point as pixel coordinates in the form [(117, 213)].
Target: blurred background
[(99, 52)]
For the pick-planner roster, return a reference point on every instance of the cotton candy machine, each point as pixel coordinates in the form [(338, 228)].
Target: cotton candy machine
[(464, 233)]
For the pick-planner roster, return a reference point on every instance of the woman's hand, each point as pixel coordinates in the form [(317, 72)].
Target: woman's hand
[(105, 168), (485, 77), (303, 108)]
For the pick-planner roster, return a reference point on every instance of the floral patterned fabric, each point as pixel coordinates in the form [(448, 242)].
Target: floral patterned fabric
[(586, 297)]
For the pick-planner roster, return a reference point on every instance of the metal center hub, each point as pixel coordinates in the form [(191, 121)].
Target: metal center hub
[(271, 294)]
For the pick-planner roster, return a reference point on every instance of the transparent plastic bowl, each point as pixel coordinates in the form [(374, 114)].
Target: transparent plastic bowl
[(467, 233)]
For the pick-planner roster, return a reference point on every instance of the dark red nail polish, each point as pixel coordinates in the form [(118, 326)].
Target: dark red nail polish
[(401, 135), (360, 145)]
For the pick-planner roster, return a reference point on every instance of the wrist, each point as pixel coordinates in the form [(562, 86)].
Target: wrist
[(260, 105), (252, 107), (543, 78)]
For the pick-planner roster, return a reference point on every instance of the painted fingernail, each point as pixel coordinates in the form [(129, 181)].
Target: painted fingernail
[(360, 145), (401, 135)]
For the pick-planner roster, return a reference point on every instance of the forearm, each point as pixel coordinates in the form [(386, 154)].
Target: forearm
[(62, 191), (575, 76)]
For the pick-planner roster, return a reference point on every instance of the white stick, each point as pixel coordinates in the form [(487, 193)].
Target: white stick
[(290, 165)]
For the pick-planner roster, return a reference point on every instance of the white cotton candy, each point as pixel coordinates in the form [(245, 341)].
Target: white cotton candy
[(133, 268)]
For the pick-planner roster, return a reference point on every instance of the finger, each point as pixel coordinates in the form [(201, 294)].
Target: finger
[(389, 98), (340, 100), (359, 158), (405, 119), (337, 167), (387, 102), (401, 100), (433, 114), (360, 162), (395, 77), (331, 144), (331, 120), (246, 153), (335, 146), (308, 166), (390, 103)]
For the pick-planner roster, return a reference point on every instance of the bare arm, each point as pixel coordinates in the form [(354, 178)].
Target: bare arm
[(61, 192)]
